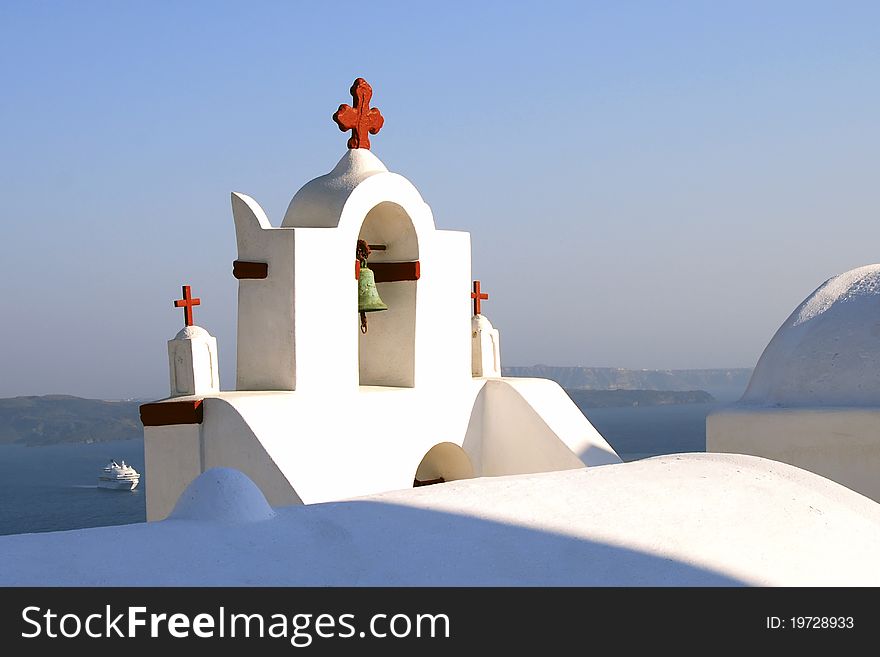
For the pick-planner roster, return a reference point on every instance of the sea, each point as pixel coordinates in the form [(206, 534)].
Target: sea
[(54, 488)]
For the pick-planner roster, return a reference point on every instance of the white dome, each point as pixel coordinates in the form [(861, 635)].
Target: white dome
[(827, 353), (222, 495), (481, 322), (318, 203), (191, 332)]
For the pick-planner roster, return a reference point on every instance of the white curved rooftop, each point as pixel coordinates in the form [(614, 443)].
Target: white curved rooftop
[(676, 520), (827, 353), (222, 495), (191, 332), (319, 202), (481, 322)]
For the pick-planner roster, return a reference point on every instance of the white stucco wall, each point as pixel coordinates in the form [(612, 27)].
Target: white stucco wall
[(172, 459), (265, 354), (311, 447), (531, 425), (323, 412), (298, 329), (387, 351), (842, 444), (485, 347), (192, 362), (228, 440)]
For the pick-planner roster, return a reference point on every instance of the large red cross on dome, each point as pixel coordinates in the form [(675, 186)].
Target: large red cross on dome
[(478, 296), (359, 117), (187, 304)]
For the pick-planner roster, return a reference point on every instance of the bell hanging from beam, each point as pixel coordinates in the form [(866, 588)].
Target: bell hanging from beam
[(368, 296)]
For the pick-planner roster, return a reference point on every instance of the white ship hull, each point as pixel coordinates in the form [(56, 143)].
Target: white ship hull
[(120, 484)]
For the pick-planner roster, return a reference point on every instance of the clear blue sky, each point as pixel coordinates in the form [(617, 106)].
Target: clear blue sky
[(646, 184)]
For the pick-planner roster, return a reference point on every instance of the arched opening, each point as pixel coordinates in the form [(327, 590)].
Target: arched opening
[(386, 352), (443, 462)]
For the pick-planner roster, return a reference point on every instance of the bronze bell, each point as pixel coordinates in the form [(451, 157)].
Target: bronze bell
[(368, 296)]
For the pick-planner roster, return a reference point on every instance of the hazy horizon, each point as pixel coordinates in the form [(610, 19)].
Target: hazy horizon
[(725, 389), (646, 186)]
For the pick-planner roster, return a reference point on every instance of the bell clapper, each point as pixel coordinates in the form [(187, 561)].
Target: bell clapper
[(363, 322)]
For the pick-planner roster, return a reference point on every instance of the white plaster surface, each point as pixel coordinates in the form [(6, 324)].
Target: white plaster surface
[(222, 495), (814, 398), (298, 447), (173, 458), (486, 347), (323, 412), (265, 355), (842, 444), (827, 353), (299, 328), (677, 520), (192, 333), (192, 362), (319, 202), (531, 425)]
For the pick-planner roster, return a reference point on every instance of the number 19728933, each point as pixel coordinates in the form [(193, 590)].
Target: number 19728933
[(810, 623)]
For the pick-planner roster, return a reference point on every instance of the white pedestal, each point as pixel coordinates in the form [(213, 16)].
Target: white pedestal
[(486, 348), (192, 361)]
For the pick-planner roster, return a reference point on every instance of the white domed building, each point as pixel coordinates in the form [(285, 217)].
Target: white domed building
[(328, 405), (814, 397), (319, 468)]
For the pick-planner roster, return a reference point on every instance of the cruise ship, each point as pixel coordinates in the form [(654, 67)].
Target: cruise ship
[(118, 476)]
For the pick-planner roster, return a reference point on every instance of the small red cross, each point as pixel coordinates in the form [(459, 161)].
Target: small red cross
[(187, 304), (478, 296), (361, 119)]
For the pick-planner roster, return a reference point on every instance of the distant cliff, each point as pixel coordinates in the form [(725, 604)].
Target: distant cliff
[(610, 378), (54, 419), (57, 419), (611, 398)]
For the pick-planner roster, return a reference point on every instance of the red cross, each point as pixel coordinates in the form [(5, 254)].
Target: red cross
[(478, 296), (360, 119), (187, 304)]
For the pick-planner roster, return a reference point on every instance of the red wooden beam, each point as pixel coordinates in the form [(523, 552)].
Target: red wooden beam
[(428, 482), (242, 269), (162, 414), (389, 272)]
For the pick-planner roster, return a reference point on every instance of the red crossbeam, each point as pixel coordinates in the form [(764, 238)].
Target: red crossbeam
[(478, 296), (187, 304)]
